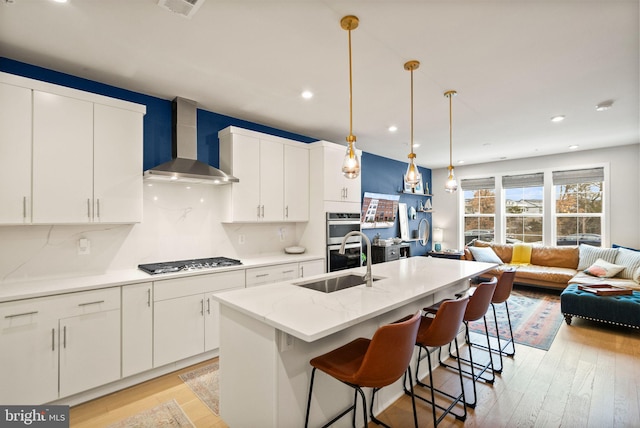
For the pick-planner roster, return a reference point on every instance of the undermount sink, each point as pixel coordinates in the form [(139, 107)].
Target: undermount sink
[(329, 285)]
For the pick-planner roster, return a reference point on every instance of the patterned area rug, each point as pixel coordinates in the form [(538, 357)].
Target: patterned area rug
[(165, 415), (204, 383), (535, 317)]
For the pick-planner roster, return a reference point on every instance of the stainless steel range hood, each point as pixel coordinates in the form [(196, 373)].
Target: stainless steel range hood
[(184, 167)]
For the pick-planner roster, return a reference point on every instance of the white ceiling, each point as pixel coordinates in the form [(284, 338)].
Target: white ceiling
[(514, 63)]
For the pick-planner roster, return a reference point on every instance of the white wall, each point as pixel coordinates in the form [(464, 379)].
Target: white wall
[(624, 167), (179, 223)]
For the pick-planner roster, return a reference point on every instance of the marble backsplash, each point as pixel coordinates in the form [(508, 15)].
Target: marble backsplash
[(180, 222)]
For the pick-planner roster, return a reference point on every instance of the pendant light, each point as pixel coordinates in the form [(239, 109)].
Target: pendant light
[(412, 176), (451, 185), (351, 163)]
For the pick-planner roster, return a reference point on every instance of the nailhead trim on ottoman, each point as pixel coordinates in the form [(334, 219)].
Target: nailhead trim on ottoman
[(620, 310)]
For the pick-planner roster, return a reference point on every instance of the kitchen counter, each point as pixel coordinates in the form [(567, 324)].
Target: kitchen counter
[(39, 287), (310, 315), (269, 334)]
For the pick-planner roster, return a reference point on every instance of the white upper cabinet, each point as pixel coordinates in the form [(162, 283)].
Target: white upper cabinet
[(117, 166), (15, 154), (62, 159), (273, 174), (296, 183), (338, 193), (72, 157)]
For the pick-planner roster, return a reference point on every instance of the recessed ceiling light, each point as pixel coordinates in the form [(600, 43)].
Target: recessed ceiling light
[(604, 105), (393, 128), (60, 1), (460, 162), (556, 119), (573, 146), (307, 95)]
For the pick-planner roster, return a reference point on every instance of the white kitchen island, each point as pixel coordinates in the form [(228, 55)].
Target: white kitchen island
[(269, 334)]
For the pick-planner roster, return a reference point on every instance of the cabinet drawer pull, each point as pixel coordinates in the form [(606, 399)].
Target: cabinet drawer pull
[(53, 339), (287, 271), (24, 314), (97, 302), (262, 275)]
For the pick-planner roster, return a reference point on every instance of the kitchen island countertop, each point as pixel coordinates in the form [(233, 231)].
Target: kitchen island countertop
[(310, 315)]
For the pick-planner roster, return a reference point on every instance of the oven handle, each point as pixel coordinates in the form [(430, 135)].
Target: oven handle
[(342, 222), (346, 247)]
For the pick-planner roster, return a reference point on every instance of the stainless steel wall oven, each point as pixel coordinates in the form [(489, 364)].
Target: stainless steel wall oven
[(338, 226)]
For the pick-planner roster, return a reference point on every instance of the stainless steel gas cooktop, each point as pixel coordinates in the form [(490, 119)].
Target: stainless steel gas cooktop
[(188, 265)]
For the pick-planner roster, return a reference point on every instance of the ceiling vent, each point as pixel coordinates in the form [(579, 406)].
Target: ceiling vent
[(186, 8)]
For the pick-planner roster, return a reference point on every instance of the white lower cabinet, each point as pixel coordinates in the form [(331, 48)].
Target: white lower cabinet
[(137, 328), (185, 318), (89, 351), (311, 267), (271, 274), (60, 345)]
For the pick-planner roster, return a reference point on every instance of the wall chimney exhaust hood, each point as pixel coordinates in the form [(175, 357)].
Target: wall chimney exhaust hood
[(184, 167)]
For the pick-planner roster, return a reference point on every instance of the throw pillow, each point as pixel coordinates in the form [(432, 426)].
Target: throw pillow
[(485, 254), (622, 246), (589, 254), (636, 276), (521, 254), (630, 260), (603, 269)]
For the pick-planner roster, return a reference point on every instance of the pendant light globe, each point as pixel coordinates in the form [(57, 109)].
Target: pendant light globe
[(351, 163), (412, 177)]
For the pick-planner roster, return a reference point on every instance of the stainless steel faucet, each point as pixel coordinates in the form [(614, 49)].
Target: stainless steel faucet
[(367, 276)]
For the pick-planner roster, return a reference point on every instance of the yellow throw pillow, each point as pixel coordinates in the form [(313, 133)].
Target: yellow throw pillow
[(521, 254)]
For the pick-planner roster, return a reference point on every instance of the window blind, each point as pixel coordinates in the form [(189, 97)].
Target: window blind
[(523, 180), (576, 176), (478, 183)]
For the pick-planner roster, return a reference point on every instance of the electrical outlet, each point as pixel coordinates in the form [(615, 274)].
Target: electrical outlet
[(241, 239), (84, 246), (285, 342)]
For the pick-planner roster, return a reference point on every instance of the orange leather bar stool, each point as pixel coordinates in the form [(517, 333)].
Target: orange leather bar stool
[(501, 295), (374, 363), (436, 332), (479, 301)]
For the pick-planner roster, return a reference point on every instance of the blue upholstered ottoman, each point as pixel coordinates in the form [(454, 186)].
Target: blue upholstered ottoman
[(620, 310)]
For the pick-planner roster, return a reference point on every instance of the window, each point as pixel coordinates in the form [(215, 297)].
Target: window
[(578, 206), (523, 207), (479, 209)]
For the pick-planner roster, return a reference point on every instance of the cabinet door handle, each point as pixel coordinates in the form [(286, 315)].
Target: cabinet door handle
[(262, 213), (64, 337), (53, 339), (208, 306), (286, 212), (88, 208), (24, 314), (260, 275), (148, 297), (258, 213), (24, 207), (97, 302), (301, 271), (346, 193), (98, 207), (202, 307)]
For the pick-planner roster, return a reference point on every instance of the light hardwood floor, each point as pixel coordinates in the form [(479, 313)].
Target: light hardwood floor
[(589, 378)]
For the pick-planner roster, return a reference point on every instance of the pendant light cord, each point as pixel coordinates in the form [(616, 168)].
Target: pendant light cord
[(350, 94), (412, 111), (450, 134)]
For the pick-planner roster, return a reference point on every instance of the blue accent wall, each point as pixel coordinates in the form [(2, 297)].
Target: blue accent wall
[(379, 174), (383, 175)]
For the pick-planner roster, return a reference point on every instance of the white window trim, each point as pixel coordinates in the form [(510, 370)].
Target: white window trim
[(548, 225)]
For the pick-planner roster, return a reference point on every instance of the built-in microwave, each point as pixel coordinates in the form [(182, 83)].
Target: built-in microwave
[(339, 225)]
